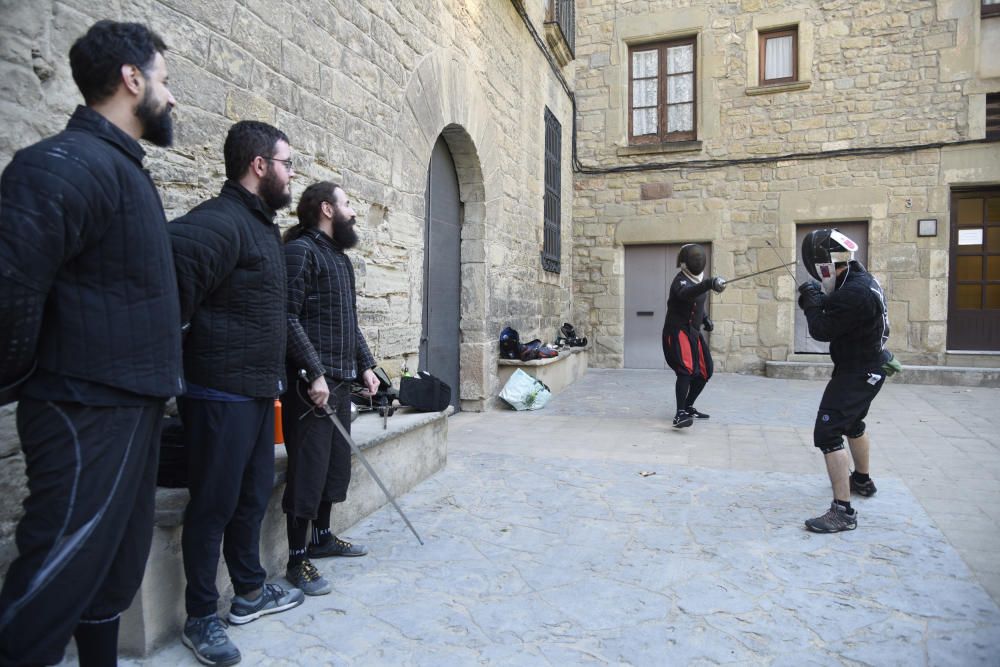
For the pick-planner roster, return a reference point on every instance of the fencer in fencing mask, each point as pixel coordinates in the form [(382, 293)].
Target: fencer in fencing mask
[(692, 260), (822, 250)]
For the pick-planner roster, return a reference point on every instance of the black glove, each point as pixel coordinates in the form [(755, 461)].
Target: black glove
[(707, 324), (810, 295), (718, 284)]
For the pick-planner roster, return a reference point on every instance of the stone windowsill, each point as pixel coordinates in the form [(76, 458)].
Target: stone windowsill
[(779, 88), (563, 354), (655, 149)]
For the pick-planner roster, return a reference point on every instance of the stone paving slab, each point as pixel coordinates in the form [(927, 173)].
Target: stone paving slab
[(555, 561)]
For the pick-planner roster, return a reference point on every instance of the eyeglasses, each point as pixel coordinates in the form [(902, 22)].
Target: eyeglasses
[(288, 163)]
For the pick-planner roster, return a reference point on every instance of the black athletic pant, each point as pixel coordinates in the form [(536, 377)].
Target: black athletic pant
[(319, 459), (231, 477), (87, 525)]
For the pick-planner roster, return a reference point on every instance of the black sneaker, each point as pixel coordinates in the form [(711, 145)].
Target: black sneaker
[(208, 639), (866, 489), (334, 546), (835, 520), (682, 419), (307, 578), (272, 599), (694, 413)]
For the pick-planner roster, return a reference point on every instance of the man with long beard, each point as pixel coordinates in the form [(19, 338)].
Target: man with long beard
[(231, 278), (324, 341), (90, 344)]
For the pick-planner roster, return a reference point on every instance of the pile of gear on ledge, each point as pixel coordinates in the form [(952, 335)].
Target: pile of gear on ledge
[(511, 346)]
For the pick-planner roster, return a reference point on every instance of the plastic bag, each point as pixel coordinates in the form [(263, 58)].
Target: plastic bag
[(524, 392)]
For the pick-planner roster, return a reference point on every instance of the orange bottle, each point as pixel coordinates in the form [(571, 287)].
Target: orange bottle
[(279, 431)]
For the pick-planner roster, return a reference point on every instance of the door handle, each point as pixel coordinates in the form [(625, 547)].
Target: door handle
[(644, 313)]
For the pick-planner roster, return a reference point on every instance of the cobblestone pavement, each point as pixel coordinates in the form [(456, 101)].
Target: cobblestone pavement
[(545, 545)]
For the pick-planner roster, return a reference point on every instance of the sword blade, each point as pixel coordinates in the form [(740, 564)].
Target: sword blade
[(368, 467), (757, 273)]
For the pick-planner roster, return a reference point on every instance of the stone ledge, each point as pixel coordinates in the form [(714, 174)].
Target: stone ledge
[(563, 354), (411, 449), (557, 373), (952, 376)]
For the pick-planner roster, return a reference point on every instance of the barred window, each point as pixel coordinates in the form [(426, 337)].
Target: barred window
[(551, 246)]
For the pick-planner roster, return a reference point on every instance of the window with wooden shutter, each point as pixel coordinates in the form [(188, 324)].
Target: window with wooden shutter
[(993, 116), (551, 245)]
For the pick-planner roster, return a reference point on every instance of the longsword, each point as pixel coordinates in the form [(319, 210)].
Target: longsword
[(361, 457), (757, 273)]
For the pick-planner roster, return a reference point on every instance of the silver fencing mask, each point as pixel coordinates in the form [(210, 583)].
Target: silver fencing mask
[(822, 250)]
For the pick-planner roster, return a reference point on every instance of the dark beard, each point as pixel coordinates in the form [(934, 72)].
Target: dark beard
[(157, 125), (272, 192), (343, 233)]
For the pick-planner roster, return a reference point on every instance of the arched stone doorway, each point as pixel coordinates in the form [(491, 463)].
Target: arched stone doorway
[(443, 101)]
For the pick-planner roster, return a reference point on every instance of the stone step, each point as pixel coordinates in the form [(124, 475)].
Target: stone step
[(410, 449), (964, 376)]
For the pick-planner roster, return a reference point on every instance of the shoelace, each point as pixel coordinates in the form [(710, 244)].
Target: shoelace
[(342, 544), (309, 571), (215, 631), (273, 591)]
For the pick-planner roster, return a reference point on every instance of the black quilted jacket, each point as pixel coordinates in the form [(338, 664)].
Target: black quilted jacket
[(87, 285), (854, 320), (323, 332), (231, 279)]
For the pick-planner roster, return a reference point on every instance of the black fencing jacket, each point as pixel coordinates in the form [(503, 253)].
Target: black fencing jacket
[(87, 285), (323, 332), (686, 304), (231, 279), (854, 320)]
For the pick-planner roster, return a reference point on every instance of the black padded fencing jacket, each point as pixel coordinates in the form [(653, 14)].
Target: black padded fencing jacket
[(231, 279), (854, 320), (323, 332), (686, 304), (87, 285)]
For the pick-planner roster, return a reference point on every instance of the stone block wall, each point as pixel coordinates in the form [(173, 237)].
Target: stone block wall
[(363, 88), (871, 75)]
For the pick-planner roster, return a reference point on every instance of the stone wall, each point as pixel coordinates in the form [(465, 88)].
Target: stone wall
[(871, 74), (363, 88)]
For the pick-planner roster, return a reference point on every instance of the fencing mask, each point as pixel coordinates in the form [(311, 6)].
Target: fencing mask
[(822, 250), (691, 258)]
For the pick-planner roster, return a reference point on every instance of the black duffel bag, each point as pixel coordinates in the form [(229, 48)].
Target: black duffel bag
[(424, 392)]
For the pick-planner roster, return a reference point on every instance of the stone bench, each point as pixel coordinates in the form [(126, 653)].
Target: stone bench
[(556, 373), (411, 449)]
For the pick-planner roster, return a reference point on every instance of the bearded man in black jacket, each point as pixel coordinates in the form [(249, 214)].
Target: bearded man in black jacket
[(231, 278), (326, 351), (90, 344)]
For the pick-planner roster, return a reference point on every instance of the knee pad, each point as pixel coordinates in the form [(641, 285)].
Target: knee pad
[(828, 434)]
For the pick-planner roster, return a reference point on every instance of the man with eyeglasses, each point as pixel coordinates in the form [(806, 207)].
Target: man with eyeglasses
[(231, 279)]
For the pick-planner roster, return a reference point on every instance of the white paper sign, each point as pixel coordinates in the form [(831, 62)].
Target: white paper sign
[(970, 237)]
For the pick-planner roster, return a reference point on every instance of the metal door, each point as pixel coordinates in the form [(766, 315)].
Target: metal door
[(649, 270), (974, 279), (439, 337), (857, 232)]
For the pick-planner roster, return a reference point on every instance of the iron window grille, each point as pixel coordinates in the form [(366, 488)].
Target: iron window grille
[(563, 14), (552, 242)]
